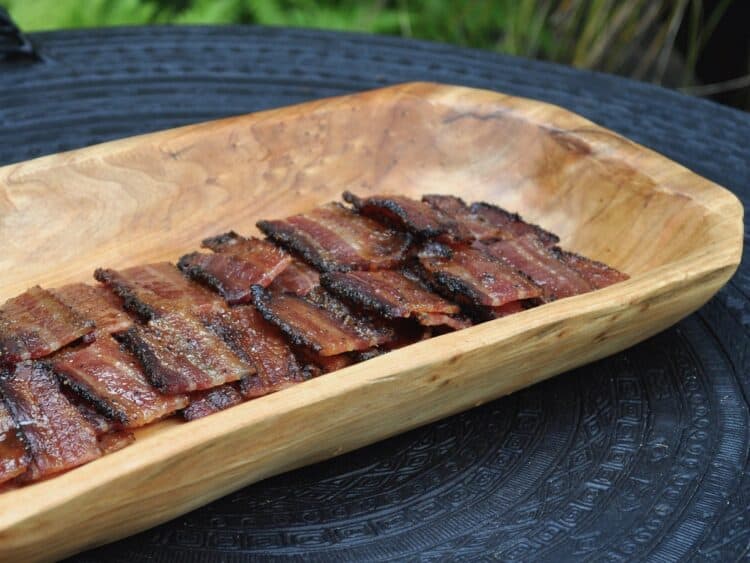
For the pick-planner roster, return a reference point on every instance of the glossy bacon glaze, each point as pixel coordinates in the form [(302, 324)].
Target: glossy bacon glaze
[(98, 304), (35, 324), (392, 294), (112, 379), (334, 238), (14, 459), (236, 266), (58, 437)]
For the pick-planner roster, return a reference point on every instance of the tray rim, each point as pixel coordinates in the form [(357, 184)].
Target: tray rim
[(708, 269)]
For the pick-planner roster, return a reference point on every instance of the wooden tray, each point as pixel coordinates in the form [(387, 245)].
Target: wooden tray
[(155, 196)]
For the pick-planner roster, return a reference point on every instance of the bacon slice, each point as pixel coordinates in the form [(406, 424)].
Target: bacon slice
[(58, 437), (203, 403), (471, 276), (263, 345), (324, 327), (110, 435), (411, 215), (482, 221), (113, 441), (597, 274), (334, 238), (98, 304), (180, 355), (298, 278), (528, 254), (156, 289), (327, 364), (393, 295), (35, 324), (237, 266), (111, 378), (14, 459)]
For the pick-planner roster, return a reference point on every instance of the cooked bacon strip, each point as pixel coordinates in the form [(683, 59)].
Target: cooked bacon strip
[(528, 255), (102, 424), (98, 304), (58, 437), (441, 319), (35, 324), (334, 238), (239, 265), (471, 276), (597, 274), (116, 440), (263, 345), (297, 278), (203, 403), (483, 221), (327, 364), (324, 327), (156, 289), (393, 295), (14, 459), (411, 215), (180, 355), (112, 380)]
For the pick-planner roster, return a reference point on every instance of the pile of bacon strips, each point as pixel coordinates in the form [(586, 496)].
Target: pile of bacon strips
[(83, 365)]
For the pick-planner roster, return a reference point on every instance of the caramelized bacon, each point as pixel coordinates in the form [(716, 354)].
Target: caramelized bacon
[(98, 304), (261, 344), (528, 255), (102, 424), (14, 459), (393, 295), (297, 278), (413, 216), (597, 274), (482, 221), (111, 379), (180, 355), (35, 324), (325, 327), (58, 437), (471, 276), (237, 266), (203, 403), (156, 289), (334, 238), (113, 441)]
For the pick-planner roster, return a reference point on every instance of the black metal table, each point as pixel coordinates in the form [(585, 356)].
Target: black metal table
[(641, 455)]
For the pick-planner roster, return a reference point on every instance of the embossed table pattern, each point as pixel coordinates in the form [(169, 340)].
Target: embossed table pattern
[(643, 454)]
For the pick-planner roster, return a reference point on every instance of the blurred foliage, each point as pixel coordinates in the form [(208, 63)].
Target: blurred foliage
[(631, 37)]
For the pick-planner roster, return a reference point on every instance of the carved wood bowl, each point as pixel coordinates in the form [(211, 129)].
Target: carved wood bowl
[(154, 197)]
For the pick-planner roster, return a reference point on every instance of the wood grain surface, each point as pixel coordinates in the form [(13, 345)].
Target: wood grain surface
[(154, 197)]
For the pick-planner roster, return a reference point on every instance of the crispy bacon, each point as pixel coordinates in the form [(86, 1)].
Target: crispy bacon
[(58, 437), (203, 403), (334, 238), (35, 324), (156, 289), (297, 278), (393, 295), (416, 217), (180, 355), (528, 254), (98, 304), (237, 266), (263, 345), (325, 327), (102, 424), (14, 459), (597, 274), (112, 380), (473, 277), (482, 221), (326, 364)]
